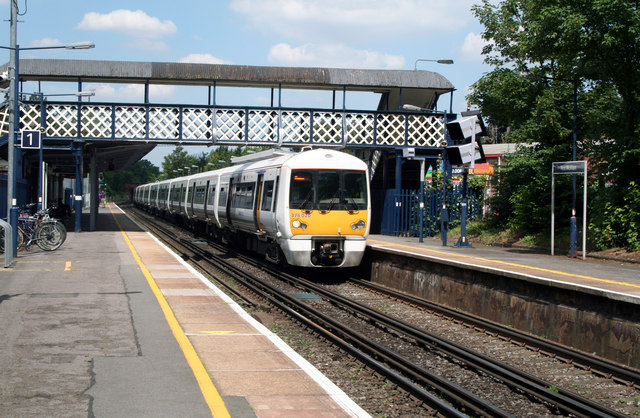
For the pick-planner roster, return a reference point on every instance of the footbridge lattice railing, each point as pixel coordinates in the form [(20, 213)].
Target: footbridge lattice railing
[(217, 125)]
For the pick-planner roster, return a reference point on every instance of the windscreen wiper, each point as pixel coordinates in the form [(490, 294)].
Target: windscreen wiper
[(333, 201)]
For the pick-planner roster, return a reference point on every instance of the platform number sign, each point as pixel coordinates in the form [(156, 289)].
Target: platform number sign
[(31, 139)]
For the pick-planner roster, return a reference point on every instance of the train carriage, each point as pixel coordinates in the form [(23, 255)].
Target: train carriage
[(308, 209)]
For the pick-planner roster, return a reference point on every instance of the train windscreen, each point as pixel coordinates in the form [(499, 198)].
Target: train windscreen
[(328, 190)]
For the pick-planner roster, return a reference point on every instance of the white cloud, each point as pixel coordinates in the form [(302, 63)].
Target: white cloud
[(202, 59), (325, 55), (45, 42), (133, 92), (358, 21), (471, 49), (128, 22)]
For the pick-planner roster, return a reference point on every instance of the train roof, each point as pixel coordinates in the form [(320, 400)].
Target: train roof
[(312, 159)]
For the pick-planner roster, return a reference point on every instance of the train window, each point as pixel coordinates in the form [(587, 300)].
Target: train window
[(222, 201), (243, 196), (301, 194), (190, 194), (212, 195), (267, 196), (355, 189), (328, 190), (199, 195)]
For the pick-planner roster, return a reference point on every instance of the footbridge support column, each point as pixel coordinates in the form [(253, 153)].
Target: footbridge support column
[(77, 200), (93, 202)]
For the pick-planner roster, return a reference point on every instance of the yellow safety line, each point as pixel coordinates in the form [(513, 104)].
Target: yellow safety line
[(67, 266), (211, 395), (511, 264)]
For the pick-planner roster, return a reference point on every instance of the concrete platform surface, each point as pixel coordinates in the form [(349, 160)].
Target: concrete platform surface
[(113, 324)]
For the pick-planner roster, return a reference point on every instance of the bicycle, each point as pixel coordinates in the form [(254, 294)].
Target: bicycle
[(39, 227)]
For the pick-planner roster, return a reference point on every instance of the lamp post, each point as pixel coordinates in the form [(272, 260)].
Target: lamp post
[(14, 119), (446, 61)]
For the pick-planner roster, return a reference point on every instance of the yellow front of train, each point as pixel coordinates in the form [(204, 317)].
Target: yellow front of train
[(328, 211)]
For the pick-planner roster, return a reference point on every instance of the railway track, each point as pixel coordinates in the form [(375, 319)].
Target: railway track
[(602, 367), (451, 400)]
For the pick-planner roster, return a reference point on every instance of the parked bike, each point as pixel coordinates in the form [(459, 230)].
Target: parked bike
[(39, 227)]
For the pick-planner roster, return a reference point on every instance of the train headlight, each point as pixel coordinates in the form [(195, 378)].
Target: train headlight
[(297, 224), (358, 225)]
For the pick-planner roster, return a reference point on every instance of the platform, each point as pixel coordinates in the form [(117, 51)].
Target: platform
[(617, 279), (114, 324)]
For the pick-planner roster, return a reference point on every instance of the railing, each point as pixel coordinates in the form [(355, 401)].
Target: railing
[(7, 242), (401, 212), (232, 125)]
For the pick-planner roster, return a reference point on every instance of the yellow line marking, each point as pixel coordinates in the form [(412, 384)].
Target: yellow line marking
[(67, 266), (209, 391), (510, 264)]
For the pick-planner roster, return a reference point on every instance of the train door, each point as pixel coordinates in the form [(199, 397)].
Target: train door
[(258, 202), (229, 199), (191, 186), (205, 209), (172, 197), (268, 203)]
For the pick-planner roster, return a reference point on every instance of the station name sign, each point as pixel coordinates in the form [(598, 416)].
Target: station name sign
[(569, 167)]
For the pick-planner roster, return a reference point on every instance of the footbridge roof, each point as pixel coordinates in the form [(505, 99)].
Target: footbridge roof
[(421, 88)]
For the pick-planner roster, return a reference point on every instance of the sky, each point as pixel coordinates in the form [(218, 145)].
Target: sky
[(360, 34)]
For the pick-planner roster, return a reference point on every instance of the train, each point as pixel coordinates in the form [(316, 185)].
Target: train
[(305, 209)]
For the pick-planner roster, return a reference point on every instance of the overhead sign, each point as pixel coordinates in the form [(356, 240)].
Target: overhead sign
[(31, 139), (569, 167)]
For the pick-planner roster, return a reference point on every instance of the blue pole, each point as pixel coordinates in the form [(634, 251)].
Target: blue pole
[(573, 236), (463, 241), (77, 152)]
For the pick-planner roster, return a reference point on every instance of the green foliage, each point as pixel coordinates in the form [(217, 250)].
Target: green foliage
[(593, 46), (174, 164), (523, 197), (477, 184), (114, 182), (617, 226)]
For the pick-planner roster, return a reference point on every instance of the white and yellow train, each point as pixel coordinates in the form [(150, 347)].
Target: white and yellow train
[(307, 209)]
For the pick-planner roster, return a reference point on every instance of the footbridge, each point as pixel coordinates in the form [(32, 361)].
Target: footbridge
[(116, 135)]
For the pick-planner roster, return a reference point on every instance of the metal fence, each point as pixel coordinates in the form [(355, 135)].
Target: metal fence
[(401, 211)]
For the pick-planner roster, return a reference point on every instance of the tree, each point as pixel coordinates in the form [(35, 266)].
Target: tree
[(174, 164), (593, 45), (596, 43), (140, 173)]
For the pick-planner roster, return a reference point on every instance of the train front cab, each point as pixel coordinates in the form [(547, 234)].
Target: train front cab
[(329, 216)]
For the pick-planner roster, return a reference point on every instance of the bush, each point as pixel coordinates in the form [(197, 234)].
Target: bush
[(617, 225)]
